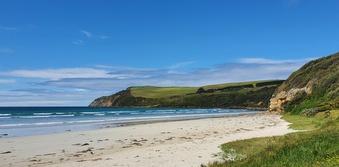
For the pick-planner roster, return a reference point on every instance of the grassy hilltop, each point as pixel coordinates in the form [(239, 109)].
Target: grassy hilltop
[(160, 92), (309, 99), (254, 94)]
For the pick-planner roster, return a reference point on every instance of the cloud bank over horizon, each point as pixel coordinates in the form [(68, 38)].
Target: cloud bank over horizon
[(79, 86)]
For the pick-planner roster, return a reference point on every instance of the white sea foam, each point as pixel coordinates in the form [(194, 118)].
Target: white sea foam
[(30, 124), (89, 113), (87, 121), (48, 123), (45, 116), (37, 116), (13, 125), (59, 113), (42, 113)]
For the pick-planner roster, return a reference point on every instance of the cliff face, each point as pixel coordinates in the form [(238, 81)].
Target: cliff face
[(314, 87), (121, 99), (235, 95)]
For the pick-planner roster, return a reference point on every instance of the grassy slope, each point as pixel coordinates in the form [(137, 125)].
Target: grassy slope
[(250, 96), (225, 85), (255, 94), (323, 73), (318, 146), (161, 92)]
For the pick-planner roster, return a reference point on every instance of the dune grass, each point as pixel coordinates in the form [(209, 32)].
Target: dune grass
[(318, 146), (161, 92)]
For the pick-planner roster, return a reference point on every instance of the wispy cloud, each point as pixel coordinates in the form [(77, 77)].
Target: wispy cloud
[(7, 81), (81, 85), (87, 36), (78, 42), (55, 74), (256, 60), (45, 97), (7, 28), (181, 64), (86, 33), (229, 72)]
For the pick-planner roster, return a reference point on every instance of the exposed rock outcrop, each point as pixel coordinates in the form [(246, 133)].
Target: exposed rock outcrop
[(280, 99), (317, 82)]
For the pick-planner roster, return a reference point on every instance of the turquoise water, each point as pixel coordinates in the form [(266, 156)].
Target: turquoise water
[(26, 121)]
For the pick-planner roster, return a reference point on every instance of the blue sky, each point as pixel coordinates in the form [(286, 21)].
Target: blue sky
[(68, 52)]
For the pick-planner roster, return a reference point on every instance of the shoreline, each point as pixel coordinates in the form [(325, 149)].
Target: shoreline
[(143, 122), (170, 143), (88, 126)]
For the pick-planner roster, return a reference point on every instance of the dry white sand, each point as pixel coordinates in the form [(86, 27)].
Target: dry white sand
[(166, 144)]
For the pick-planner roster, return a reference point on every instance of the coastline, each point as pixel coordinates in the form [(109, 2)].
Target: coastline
[(160, 143), (43, 121)]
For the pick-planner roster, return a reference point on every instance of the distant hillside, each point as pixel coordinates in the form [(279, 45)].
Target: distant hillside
[(311, 89), (255, 94)]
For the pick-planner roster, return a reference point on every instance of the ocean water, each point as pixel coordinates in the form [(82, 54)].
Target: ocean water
[(27, 121)]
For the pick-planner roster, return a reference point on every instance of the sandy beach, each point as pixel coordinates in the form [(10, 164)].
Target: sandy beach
[(168, 144)]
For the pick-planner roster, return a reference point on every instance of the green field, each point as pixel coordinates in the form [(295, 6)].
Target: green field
[(164, 92), (161, 92), (317, 145), (254, 94), (236, 84)]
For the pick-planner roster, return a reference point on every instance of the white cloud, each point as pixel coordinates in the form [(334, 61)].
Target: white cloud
[(181, 64), (85, 84), (88, 36), (230, 72), (7, 81), (55, 74), (86, 33), (78, 42), (270, 61), (21, 98)]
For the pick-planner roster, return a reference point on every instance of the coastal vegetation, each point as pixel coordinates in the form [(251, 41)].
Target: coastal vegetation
[(254, 94), (315, 145), (309, 99)]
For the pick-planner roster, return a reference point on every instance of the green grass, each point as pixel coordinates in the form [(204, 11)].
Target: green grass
[(300, 122), (225, 85), (164, 92), (190, 97), (161, 92), (318, 146)]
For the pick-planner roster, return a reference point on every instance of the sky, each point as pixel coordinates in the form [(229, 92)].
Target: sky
[(69, 52)]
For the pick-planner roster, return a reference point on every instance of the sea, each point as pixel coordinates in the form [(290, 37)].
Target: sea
[(28, 121)]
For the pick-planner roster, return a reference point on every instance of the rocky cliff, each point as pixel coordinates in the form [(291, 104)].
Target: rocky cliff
[(312, 88)]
